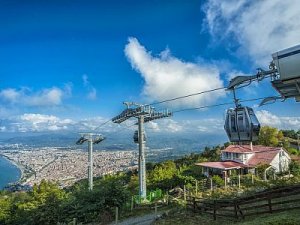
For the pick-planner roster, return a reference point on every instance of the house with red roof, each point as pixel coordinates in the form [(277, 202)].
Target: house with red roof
[(245, 159)]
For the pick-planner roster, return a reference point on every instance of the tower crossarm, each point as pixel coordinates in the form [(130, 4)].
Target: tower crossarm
[(139, 110), (158, 115)]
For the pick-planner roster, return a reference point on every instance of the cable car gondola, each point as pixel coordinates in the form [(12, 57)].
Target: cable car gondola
[(136, 136), (241, 124)]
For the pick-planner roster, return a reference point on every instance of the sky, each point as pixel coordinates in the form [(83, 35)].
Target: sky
[(69, 65)]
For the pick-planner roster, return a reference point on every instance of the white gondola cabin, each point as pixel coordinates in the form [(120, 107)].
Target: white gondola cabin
[(241, 125)]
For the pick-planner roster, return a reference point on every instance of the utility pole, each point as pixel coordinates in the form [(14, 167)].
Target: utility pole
[(142, 162), (90, 163), (298, 141), (91, 138), (144, 114)]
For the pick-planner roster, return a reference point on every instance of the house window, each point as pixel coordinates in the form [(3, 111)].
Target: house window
[(226, 155)]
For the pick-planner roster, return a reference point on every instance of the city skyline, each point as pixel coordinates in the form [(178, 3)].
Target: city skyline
[(68, 66)]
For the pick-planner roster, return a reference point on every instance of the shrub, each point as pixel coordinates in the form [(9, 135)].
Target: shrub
[(218, 181)]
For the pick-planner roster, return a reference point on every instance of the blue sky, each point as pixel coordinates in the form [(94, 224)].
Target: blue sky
[(69, 65)]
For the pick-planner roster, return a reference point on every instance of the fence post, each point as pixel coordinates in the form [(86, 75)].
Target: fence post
[(74, 221), (196, 187), (184, 193), (239, 181), (235, 210), (252, 178), (117, 215), (225, 179), (131, 205), (215, 209), (211, 184), (270, 204), (167, 198), (194, 204)]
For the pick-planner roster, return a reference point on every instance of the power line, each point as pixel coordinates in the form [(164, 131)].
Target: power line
[(255, 99), (169, 100), (203, 107), (102, 124), (189, 109), (221, 104), (186, 96), (124, 127)]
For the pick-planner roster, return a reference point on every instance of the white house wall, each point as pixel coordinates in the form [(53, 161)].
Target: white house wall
[(281, 163), (247, 157)]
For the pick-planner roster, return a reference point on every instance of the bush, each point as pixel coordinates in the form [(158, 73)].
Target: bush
[(293, 151), (218, 181), (295, 168)]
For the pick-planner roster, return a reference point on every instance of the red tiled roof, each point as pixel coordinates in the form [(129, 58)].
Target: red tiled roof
[(264, 157), (225, 165), (247, 148)]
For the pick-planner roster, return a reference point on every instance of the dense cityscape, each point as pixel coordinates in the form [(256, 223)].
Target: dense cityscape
[(67, 166)]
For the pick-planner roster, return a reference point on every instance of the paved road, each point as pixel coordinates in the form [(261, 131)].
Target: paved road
[(140, 220)]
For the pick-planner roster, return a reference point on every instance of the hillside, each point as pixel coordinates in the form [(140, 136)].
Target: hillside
[(169, 184), (178, 217)]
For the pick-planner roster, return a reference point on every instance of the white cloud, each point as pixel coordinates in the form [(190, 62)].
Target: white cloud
[(38, 118), (2, 128), (92, 92), (267, 118), (92, 95), (10, 95), (68, 89), (210, 125), (260, 27), (153, 126), (91, 123), (40, 122), (172, 126), (168, 77), (34, 122), (45, 97), (85, 80), (52, 96)]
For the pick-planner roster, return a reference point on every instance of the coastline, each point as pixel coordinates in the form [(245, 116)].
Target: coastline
[(17, 165)]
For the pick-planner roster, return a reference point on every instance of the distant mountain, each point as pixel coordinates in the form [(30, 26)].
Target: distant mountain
[(168, 145)]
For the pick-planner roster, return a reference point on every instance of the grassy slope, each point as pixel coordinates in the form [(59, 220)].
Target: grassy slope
[(181, 217)]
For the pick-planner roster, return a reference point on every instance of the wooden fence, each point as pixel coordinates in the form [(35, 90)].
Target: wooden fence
[(269, 201)]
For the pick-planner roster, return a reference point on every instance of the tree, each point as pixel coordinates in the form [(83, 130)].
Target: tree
[(5, 205), (270, 136), (295, 168), (163, 174)]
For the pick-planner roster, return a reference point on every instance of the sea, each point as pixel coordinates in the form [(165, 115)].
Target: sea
[(9, 172)]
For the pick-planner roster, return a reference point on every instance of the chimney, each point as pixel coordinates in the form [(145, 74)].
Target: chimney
[(251, 146)]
